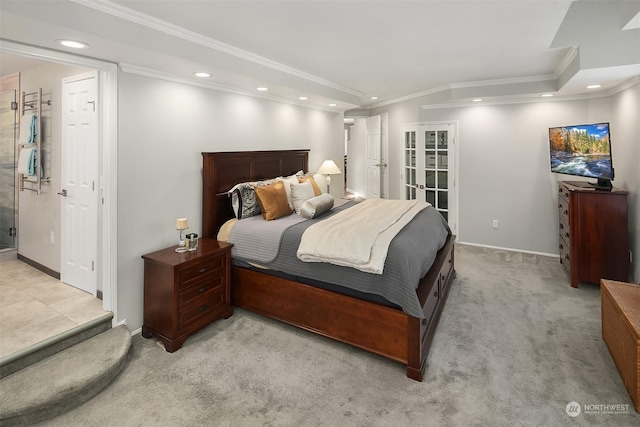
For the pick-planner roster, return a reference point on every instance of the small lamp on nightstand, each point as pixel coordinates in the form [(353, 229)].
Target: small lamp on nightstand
[(181, 225), (327, 169)]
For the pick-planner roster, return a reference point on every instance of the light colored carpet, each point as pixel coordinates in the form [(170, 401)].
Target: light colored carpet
[(515, 345)]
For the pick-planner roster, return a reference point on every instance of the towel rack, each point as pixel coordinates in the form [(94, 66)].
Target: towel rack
[(33, 102)]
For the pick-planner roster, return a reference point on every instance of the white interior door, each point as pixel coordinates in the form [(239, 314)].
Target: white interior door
[(429, 173), (79, 175), (373, 162)]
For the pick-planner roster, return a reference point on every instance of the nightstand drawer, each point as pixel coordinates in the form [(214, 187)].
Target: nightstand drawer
[(201, 288), (201, 307), (200, 269)]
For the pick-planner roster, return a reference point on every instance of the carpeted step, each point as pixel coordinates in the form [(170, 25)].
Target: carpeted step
[(47, 348), (65, 380)]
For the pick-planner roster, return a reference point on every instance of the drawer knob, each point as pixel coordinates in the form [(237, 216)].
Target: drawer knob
[(203, 308), (561, 246), (566, 234), (561, 226), (202, 270), (202, 289)]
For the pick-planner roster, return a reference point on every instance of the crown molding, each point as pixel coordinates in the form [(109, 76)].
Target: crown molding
[(530, 100), (160, 75), (11, 47), (114, 9)]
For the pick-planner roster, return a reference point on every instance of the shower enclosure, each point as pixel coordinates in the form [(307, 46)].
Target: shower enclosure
[(8, 135)]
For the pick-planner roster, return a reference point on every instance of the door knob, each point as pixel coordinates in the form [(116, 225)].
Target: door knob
[(63, 193)]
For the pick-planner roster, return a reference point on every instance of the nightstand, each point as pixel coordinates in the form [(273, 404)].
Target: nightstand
[(184, 292)]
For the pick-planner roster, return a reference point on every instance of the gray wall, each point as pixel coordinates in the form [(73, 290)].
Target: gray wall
[(503, 165), (162, 129)]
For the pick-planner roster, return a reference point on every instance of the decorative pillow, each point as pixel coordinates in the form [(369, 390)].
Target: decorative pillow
[(293, 179), (273, 201), (224, 234), (316, 206), (321, 180), (316, 189), (243, 198), (300, 193)]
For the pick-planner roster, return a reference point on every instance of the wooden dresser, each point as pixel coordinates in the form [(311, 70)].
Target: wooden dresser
[(594, 236), (184, 292)]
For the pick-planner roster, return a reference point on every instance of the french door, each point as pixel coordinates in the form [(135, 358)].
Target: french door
[(428, 173)]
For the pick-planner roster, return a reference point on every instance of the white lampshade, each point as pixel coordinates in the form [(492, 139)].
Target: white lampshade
[(329, 168)]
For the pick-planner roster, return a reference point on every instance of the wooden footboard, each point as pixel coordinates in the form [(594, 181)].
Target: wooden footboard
[(370, 326)]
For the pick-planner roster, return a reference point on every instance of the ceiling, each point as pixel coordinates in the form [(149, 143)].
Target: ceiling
[(346, 52)]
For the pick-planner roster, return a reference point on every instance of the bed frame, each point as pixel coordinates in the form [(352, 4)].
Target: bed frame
[(374, 327)]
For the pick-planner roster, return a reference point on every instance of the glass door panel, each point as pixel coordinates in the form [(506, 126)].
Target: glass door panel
[(8, 117)]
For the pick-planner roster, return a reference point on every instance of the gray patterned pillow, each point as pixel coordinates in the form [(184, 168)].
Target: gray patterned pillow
[(243, 198)]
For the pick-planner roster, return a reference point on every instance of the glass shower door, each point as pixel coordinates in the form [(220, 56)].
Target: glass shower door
[(8, 134)]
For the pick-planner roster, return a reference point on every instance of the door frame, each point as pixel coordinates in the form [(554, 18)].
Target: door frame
[(456, 175), (108, 120)]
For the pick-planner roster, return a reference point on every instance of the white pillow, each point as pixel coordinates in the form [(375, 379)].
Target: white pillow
[(321, 180), (316, 206), (293, 179), (300, 193)]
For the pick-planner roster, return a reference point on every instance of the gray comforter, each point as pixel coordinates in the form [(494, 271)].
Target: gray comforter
[(411, 254)]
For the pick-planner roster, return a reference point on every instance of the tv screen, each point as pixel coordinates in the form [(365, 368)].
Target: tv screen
[(582, 150)]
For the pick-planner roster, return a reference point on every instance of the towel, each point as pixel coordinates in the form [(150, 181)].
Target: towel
[(27, 161), (29, 129)]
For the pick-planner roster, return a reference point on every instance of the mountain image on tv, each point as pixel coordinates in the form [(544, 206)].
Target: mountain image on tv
[(583, 150)]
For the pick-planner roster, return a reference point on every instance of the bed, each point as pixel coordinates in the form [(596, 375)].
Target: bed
[(377, 326)]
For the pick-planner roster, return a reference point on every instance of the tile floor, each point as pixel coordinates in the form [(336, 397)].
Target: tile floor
[(34, 306)]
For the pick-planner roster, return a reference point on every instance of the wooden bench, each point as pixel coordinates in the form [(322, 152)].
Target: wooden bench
[(621, 331)]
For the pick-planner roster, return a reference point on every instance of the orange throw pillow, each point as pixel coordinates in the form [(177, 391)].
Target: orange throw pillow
[(273, 201)]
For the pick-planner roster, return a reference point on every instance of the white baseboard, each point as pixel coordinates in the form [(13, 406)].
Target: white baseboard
[(510, 249)]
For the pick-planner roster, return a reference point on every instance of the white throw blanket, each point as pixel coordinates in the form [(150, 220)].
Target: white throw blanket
[(358, 237)]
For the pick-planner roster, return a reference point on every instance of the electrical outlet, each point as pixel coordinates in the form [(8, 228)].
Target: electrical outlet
[(52, 238), (495, 223)]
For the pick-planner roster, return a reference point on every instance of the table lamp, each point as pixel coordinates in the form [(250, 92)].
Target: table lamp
[(181, 225), (327, 169)]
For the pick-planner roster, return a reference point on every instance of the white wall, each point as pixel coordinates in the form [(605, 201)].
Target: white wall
[(163, 128), (503, 164), (38, 215)]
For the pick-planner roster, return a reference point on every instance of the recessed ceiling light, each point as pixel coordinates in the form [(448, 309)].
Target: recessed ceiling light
[(546, 95), (262, 89), (333, 105), (303, 98), (477, 99), (593, 86), (203, 75), (73, 44), (374, 98)]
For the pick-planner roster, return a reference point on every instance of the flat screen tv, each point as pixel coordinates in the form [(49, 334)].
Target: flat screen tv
[(583, 150)]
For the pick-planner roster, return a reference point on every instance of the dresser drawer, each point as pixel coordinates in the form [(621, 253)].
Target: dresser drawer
[(564, 230), (563, 209), (565, 254), (200, 288), (563, 192), (198, 271), (201, 307)]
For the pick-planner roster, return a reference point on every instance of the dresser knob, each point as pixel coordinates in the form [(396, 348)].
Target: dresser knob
[(204, 288), (203, 308), (202, 270)]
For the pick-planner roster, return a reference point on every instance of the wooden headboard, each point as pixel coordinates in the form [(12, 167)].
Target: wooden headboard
[(223, 170)]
